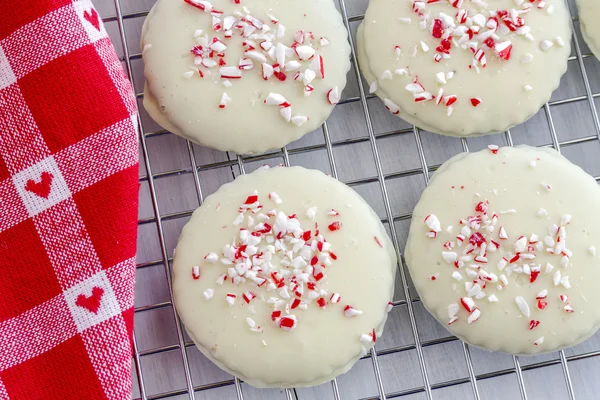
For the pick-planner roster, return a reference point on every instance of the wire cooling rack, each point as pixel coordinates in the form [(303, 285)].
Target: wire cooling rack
[(389, 163)]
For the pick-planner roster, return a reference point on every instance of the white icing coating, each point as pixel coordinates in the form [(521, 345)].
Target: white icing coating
[(522, 292), (510, 91), (188, 105), (589, 13), (324, 342)]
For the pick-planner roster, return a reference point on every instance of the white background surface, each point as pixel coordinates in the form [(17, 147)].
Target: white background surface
[(385, 153)]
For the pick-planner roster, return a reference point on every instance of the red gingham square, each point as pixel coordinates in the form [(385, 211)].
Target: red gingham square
[(87, 99), (104, 220), (19, 287), (64, 373), (21, 44), (14, 14), (4, 174), (68, 200)]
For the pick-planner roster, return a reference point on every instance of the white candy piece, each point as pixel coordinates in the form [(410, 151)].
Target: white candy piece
[(208, 293), (523, 306)]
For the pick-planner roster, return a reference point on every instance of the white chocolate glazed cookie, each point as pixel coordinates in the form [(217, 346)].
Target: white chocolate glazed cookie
[(589, 13), (284, 277), (502, 250), (462, 68), (246, 77)]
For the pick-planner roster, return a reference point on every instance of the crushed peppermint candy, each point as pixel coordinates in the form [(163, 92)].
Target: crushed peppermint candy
[(270, 238), (350, 311), (481, 233), (264, 50), (484, 33)]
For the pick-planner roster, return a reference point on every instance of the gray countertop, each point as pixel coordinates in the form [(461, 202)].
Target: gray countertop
[(387, 161)]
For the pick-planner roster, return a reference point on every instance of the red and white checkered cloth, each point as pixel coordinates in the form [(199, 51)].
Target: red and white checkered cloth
[(68, 205)]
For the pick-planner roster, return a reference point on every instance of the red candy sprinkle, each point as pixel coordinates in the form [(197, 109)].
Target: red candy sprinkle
[(275, 314), (437, 28), (295, 304), (475, 101), (335, 226), (541, 304), (378, 242), (532, 324), (251, 199), (477, 239), (322, 302), (534, 275)]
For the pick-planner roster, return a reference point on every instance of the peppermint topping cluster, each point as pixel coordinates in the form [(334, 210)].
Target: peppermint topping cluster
[(264, 50), (482, 233), (482, 32), (273, 252)]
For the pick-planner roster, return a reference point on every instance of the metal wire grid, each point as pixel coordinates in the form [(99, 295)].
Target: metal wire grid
[(390, 218)]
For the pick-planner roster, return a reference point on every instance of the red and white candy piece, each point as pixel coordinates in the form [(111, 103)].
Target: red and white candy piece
[(433, 223), (196, 272), (333, 96), (503, 49), (391, 106), (389, 306), (248, 296), (231, 298), (275, 99), (467, 303), (350, 311), (225, 100), (533, 324), (568, 308), (287, 323), (368, 338), (335, 226), (474, 316)]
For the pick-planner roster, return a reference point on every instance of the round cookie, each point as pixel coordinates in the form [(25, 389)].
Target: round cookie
[(502, 250), (284, 277), (589, 12), (246, 77), (463, 68)]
